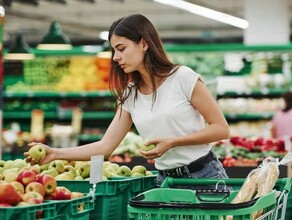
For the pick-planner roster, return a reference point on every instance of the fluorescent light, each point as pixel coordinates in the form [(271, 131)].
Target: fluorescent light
[(206, 12)]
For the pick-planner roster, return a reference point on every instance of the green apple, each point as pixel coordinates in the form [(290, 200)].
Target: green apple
[(45, 167), (144, 147), (139, 169), (115, 166), (65, 176), (19, 163), (78, 164), (84, 170), (109, 171), (8, 164), (52, 172), (10, 176), (2, 163), (106, 163), (78, 177), (137, 175), (58, 165), (124, 171), (149, 173), (37, 152), (70, 169)]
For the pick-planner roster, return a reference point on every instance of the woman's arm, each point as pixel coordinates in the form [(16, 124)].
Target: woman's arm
[(115, 133)]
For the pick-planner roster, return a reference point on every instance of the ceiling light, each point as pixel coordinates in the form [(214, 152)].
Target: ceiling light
[(206, 12), (20, 50), (55, 39)]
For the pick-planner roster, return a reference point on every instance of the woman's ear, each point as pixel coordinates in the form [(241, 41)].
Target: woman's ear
[(144, 45)]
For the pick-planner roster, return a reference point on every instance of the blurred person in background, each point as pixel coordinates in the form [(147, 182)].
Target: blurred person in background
[(282, 120)]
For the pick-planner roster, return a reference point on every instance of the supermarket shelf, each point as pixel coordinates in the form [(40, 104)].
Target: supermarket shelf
[(59, 115), (31, 94), (224, 47), (275, 92), (249, 116)]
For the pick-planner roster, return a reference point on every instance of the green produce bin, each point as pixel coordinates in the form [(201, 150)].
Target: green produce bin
[(44, 211), (77, 209), (185, 204), (112, 196)]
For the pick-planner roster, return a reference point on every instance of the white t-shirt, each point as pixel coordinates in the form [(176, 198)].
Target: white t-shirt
[(171, 115)]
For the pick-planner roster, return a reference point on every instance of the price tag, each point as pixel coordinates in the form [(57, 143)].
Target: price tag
[(96, 165)]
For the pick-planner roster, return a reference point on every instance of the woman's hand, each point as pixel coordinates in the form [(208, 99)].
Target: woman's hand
[(50, 154), (162, 145)]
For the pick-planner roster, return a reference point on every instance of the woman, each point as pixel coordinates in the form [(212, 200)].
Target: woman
[(282, 121), (168, 104)]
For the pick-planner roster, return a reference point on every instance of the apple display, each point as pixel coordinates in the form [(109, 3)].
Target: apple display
[(26, 176), (124, 171), (37, 152), (61, 193), (8, 194), (35, 187), (48, 182)]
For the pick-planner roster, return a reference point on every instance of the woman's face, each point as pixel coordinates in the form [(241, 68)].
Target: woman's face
[(128, 54)]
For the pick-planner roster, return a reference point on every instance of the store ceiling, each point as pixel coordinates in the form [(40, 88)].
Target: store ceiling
[(85, 19)]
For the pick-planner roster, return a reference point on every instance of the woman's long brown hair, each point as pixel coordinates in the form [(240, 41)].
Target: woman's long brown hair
[(136, 27)]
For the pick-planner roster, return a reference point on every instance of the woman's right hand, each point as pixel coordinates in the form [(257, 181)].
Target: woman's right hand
[(50, 154)]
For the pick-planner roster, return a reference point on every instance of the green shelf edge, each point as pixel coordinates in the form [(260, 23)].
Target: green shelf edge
[(59, 115), (32, 94), (249, 116), (224, 47)]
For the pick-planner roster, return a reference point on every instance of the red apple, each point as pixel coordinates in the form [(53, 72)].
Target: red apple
[(48, 182), (35, 187), (26, 176), (18, 186), (32, 197), (8, 194), (61, 193), (33, 169), (4, 204)]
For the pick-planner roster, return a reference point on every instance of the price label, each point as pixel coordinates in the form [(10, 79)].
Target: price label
[(96, 166)]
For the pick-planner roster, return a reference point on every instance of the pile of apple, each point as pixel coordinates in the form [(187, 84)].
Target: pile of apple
[(29, 188), (114, 170)]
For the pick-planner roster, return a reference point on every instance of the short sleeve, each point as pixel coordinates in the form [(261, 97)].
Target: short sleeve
[(188, 79)]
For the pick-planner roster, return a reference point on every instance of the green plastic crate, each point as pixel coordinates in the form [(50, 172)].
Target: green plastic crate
[(75, 209), (45, 211), (169, 203), (111, 197)]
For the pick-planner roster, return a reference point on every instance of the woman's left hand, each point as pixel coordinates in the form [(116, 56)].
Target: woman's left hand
[(162, 145)]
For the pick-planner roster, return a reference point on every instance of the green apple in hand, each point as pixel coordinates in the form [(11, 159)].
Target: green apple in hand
[(144, 147), (37, 152)]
